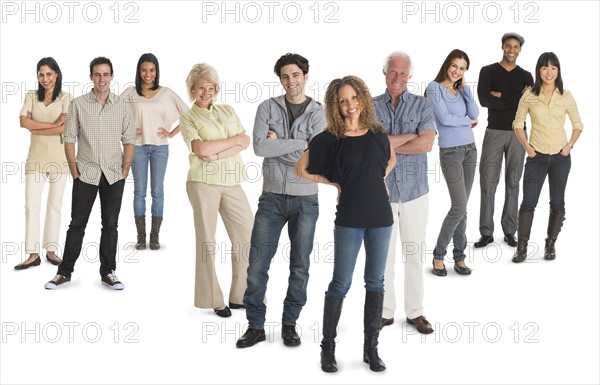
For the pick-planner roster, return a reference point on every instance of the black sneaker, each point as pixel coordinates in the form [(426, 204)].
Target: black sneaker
[(112, 281), (58, 281)]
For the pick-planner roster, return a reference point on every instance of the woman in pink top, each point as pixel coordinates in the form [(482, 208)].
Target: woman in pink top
[(43, 114), (156, 109)]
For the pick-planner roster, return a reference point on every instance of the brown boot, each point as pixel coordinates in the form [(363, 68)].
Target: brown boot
[(140, 224), (524, 229), (156, 222), (555, 223)]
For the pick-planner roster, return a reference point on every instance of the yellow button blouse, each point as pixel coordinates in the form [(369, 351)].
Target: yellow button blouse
[(548, 134)]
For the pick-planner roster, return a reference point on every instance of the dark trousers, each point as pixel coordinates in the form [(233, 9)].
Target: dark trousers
[(84, 196), (557, 168)]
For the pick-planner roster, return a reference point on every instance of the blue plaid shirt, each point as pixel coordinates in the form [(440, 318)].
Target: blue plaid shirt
[(408, 180)]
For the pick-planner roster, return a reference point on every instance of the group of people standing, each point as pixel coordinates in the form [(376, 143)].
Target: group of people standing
[(372, 150)]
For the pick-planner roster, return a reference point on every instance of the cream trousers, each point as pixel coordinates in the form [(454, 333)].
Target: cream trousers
[(34, 187), (410, 219)]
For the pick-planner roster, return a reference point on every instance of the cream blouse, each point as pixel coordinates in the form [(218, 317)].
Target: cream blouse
[(46, 152), (160, 111)]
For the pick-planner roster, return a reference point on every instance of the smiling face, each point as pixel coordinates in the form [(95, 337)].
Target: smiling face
[(148, 74), (397, 76), (548, 74), (456, 70), (510, 50), (204, 92), (293, 81), (47, 77), (101, 77), (348, 102)]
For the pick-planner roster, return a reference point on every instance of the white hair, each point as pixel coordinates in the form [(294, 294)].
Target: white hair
[(397, 55)]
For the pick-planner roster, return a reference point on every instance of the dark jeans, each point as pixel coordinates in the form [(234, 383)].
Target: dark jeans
[(557, 167), (84, 196), (274, 211)]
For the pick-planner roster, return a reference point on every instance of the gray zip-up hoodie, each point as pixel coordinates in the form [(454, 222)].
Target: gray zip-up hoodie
[(281, 154)]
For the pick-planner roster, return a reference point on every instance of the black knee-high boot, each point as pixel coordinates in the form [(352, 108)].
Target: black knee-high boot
[(372, 320), (331, 317)]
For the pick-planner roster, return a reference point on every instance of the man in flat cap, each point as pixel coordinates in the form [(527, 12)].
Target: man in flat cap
[(499, 89)]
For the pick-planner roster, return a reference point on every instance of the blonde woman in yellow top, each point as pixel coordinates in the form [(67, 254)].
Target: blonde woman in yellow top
[(215, 138), (548, 150), (43, 114)]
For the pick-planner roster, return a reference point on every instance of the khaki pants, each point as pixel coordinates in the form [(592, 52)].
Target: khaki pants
[(231, 202)]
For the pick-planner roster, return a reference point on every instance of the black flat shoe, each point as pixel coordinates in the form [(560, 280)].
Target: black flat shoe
[(223, 312), (23, 266), (439, 272), (55, 262), (484, 241), (510, 239), (462, 270), (235, 306)]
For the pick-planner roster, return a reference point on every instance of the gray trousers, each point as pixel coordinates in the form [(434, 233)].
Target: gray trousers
[(496, 145), (458, 166)]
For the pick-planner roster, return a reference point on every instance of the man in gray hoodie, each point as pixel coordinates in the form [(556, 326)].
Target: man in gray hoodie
[(283, 127)]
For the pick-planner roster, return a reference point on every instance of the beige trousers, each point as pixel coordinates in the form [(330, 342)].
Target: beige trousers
[(34, 187), (231, 202)]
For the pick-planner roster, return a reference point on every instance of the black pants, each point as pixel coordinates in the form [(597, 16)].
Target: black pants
[(84, 196)]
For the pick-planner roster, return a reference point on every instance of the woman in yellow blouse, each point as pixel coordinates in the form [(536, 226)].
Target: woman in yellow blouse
[(43, 114), (215, 138), (548, 150)]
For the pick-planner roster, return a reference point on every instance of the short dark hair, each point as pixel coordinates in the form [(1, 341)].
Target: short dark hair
[(146, 58), (100, 60), (543, 61), (291, 58), (53, 65)]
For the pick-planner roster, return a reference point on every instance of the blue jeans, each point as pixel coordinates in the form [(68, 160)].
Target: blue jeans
[(458, 166), (274, 211), (557, 167), (156, 157), (84, 196), (348, 241)]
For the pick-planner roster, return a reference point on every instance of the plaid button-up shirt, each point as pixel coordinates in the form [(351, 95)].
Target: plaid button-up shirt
[(99, 131)]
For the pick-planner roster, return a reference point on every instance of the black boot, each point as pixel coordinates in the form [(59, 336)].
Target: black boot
[(156, 221), (140, 224), (331, 317), (373, 311), (555, 223), (524, 229)]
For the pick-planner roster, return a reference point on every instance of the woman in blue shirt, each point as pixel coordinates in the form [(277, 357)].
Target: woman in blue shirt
[(455, 113)]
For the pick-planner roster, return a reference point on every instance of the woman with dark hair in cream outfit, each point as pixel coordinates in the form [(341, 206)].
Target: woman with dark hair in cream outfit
[(43, 114)]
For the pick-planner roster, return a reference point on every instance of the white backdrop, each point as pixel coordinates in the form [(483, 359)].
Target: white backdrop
[(531, 323)]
